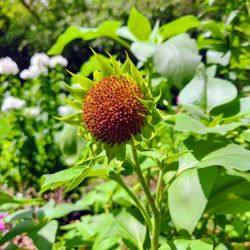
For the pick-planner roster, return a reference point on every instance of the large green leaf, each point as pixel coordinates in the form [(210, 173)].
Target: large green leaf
[(131, 229), (45, 237), (184, 244), (143, 50), (180, 25), (52, 181), (186, 123), (230, 195), (177, 59), (107, 28), (188, 195), (71, 34), (214, 153), (139, 25), (206, 93)]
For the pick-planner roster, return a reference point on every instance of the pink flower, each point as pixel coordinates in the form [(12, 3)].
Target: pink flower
[(3, 215), (2, 226)]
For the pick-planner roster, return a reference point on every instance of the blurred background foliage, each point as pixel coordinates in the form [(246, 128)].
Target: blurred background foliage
[(22, 20)]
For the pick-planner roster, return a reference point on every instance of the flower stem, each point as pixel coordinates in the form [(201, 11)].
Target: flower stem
[(152, 204), (158, 189), (140, 206)]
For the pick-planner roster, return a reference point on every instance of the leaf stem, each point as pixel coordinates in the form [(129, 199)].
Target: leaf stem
[(152, 204)]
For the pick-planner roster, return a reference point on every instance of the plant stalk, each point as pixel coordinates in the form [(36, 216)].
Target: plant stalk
[(140, 206), (152, 204)]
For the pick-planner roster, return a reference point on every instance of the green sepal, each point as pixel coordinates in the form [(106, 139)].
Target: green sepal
[(130, 68), (148, 103), (98, 76), (141, 149), (96, 148), (174, 157), (109, 152), (127, 168), (148, 131), (83, 81), (74, 119), (138, 137), (120, 151), (134, 140), (77, 93), (157, 98), (158, 116), (115, 64), (82, 132), (103, 64), (74, 104)]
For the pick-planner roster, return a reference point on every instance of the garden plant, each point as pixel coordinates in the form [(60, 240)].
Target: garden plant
[(149, 144)]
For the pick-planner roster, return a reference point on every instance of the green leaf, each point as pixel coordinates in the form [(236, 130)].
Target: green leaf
[(71, 34), (214, 153), (78, 179), (45, 237), (6, 198), (106, 28), (230, 196), (177, 59), (131, 229), (22, 227), (180, 25), (139, 25), (184, 244), (219, 92), (246, 135), (186, 123), (109, 28), (187, 197), (52, 181), (206, 94), (143, 50), (124, 32), (231, 156)]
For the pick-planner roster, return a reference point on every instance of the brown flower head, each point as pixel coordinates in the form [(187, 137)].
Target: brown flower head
[(112, 111)]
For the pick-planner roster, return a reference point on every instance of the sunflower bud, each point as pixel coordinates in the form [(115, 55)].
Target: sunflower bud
[(112, 111)]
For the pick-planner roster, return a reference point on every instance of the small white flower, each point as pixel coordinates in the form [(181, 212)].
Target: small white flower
[(58, 60), (63, 110), (8, 66), (11, 102), (33, 71), (32, 111), (39, 59)]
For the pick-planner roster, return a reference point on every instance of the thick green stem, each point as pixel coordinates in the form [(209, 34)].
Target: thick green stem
[(158, 189), (152, 204), (140, 206)]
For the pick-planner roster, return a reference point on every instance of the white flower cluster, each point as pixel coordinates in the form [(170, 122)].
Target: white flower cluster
[(32, 111), (8, 66), (58, 60), (11, 102), (39, 64), (63, 110)]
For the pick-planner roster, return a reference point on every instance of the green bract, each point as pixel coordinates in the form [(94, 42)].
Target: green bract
[(116, 108)]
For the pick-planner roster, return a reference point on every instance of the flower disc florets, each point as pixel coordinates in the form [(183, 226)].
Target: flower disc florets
[(112, 111)]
